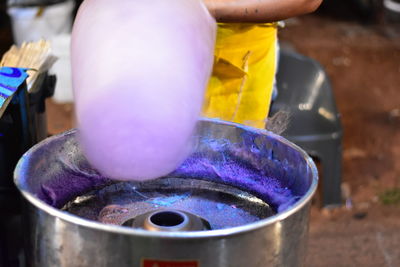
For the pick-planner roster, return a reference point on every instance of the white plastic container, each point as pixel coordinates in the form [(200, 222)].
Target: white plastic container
[(34, 23), (53, 23), (60, 45)]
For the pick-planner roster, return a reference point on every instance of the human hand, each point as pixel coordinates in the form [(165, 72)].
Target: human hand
[(211, 6), (261, 11)]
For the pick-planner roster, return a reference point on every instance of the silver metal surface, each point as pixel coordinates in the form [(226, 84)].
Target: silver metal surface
[(58, 238), (119, 202), (168, 221)]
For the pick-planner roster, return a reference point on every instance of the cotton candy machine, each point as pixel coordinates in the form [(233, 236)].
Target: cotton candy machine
[(241, 199)]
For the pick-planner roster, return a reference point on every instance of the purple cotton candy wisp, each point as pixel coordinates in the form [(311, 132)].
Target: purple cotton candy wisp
[(139, 70)]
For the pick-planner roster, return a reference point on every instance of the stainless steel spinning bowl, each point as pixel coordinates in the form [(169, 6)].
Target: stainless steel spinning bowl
[(54, 173)]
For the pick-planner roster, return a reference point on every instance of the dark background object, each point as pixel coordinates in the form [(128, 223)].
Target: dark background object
[(366, 11), (27, 3), (6, 39), (22, 125)]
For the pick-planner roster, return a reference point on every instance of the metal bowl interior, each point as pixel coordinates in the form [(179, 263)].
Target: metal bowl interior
[(265, 165)]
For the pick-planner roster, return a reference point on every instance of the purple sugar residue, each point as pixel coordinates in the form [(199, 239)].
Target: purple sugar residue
[(233, 172), (241, 165), (230, 164), (56, 192)]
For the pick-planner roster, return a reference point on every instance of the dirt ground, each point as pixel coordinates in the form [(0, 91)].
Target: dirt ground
[(363, 63)]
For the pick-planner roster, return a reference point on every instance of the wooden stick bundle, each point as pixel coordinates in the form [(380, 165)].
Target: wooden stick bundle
[(35, 56)]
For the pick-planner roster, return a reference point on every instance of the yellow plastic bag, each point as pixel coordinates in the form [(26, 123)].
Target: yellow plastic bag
[(241, 85)]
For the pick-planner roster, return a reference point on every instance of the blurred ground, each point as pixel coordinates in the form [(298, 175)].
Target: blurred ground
[(363, 63)]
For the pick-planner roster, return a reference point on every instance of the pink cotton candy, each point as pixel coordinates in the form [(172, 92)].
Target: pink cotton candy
[(139, 70)]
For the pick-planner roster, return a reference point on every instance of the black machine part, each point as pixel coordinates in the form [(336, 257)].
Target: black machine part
[(22, 125)]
